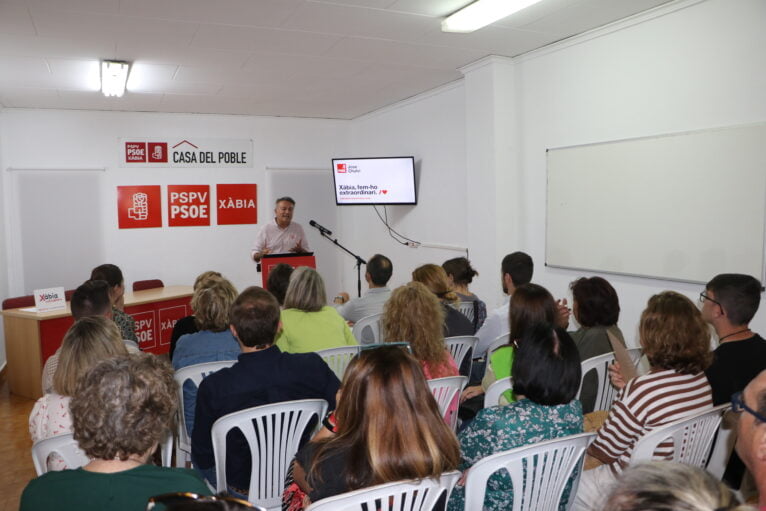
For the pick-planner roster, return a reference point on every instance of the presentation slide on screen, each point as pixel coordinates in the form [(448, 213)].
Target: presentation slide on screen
[(374, 181)]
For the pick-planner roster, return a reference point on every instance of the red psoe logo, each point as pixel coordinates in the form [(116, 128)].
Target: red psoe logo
[(341, 168), (139, 206), (237, 204), (135, 152)]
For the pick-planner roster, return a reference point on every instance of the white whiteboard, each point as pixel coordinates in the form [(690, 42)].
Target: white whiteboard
[(679, 207)]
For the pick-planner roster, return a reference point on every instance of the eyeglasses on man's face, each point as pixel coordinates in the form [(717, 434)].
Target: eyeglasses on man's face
[(738, 406), (704, 297)]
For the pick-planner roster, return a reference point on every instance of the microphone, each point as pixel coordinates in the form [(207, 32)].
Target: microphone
[(323, 230)]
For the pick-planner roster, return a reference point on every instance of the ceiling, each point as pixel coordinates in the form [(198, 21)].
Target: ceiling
[(303, 58)]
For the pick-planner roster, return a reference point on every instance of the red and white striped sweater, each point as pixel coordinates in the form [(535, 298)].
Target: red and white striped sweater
[(645, 403)]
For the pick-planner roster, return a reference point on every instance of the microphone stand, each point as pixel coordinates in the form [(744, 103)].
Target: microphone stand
[(359, 262)]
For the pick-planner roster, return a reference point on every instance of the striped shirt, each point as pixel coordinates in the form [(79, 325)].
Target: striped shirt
[(645, 403)]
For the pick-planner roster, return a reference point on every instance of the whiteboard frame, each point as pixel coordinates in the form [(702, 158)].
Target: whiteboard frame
[(761, 275)]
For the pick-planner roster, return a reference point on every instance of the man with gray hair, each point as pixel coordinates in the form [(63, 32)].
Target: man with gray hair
[(282, 235)]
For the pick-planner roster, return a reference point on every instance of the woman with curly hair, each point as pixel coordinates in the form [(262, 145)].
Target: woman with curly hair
[(414, 315), (435, 279), (121, 411), (370, 448), (676, 341)]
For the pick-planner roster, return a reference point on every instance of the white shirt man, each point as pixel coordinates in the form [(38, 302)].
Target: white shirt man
[(282, 235)]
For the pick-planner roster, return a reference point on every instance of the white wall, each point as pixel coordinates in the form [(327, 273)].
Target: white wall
[(3, 261), (429, 127), (82, 139)]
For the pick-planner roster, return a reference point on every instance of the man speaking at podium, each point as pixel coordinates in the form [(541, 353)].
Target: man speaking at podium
[(282, 235)]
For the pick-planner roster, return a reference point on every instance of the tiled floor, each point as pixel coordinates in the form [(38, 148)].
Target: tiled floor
[(16, 467)]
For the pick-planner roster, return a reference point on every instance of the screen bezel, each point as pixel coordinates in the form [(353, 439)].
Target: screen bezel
[(414, 182)]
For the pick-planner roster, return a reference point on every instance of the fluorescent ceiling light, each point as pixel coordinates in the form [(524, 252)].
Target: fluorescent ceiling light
[(114, 76), (481, 13)]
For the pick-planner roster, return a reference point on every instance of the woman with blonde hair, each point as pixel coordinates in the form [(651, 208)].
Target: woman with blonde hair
[(187, 324), (87, 342), (676, 341), (308, 324), (413, 314), (435, 279), (213, 342), (370, 448)]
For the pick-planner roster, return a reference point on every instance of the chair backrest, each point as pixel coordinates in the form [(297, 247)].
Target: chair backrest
[(367, 329), (692, 438), (724, 445), (494, 391), (140, 285), (539, 473), (467, 309), (19, 301), (273, 433), (460, 347), (446, 392), (605, 391), (194, 373), (422, 495), (63, 445), (498, 343), (339, 358)]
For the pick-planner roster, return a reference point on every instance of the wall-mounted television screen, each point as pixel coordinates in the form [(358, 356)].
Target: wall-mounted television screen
[(389, 180)]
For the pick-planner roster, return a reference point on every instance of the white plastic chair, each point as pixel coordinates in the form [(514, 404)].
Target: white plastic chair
[(63, 445), (724, 445), (605, 391), (539, 473), (445, 391), (459, 347), (494, 391), (692, 438), (273, 433), (420, 495), (467, 310), (194, 373), (367, 329), (166, 450), (339, 358), (498, 343)]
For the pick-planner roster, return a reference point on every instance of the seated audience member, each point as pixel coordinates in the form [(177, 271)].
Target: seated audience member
[(729, 303), (461, 273), (516, 270), (121, 410), (546, 377), (751, 431), (262, 375), (596, 309), (435, 279), (414, 315), (279, 279), (87, 342), (379, 270), (389, 429), (187, 325), (213, 342), (308, 324), (667, 485), (113, 276), (89, 299), (676, 342), (530, 304)]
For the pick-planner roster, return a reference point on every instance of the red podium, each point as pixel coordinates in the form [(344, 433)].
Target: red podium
[(269, 261)]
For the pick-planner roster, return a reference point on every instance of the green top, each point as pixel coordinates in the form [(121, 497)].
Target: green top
[(129, 490), (501, 362), (303, 332)]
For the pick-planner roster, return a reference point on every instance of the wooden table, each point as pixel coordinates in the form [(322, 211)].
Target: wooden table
[(31, 337)]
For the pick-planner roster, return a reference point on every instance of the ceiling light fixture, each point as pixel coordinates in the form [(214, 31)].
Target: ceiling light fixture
[(481, 13), (114, 76)]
